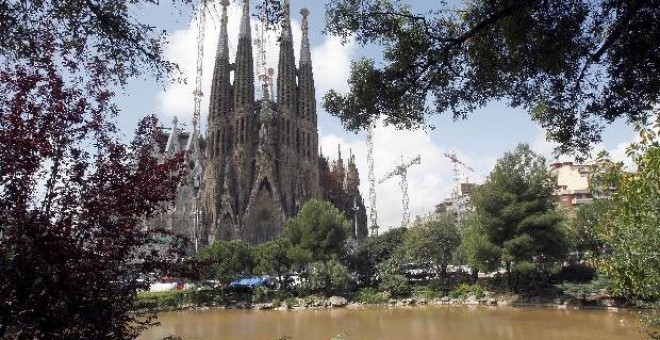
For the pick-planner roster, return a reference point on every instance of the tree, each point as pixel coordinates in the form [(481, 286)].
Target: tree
[(434, 242), (319, 229), (106, 34), (328, 276), (573, 65), (516, 212), (226, 261), (587, 226), (476, 250), (632, 234), (374, 251), (73, 199), (73, 237), (273, 257)]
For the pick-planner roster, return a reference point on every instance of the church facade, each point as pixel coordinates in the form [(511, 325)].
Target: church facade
[(259, 161)]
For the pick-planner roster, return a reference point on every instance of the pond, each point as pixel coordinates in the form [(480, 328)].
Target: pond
[(441, 322)]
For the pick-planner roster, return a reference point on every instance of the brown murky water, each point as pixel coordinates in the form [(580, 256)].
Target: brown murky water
[(413, 323)]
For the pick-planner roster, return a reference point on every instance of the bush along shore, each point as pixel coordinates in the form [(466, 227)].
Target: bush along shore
[(463, 295)]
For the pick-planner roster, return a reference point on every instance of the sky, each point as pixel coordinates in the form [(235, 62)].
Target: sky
[(478, 141)]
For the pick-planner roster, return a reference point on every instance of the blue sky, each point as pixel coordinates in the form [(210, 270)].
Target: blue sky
[(478, 141)]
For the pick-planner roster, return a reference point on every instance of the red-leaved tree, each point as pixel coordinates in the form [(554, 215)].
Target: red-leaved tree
[(74, 201)]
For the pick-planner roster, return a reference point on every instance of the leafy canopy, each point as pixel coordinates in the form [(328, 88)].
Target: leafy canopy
[(318, 229), (434, 241), (515, 209), (374, 251), (226, 260), (273, 257), (573, 64), (632, 234)]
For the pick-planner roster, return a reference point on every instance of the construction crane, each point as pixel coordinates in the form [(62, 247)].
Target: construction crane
[(197, 93), (402, 170), (373, 215), (457, 194), (457, 164)]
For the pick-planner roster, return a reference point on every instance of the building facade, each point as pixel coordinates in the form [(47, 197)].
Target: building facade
[(259, 161), (572, 188)]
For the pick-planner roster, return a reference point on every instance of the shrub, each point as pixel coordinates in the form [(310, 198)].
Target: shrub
[(576, 273), (330, 276), (371, 296), (392, 281), (579, 289), (205, 297), (428, 294), (260, 295), (465, 290)]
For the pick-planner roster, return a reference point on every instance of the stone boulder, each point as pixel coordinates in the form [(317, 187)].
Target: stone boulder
[(337, 301)]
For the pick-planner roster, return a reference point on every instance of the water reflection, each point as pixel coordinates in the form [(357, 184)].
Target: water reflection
[(399, 323)]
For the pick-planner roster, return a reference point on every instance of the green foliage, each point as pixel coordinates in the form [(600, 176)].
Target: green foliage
[(434, 241), (633, 235), (516, 212), (392, 280), (328, 276), (373, 251), (370, 295), (587, 227), (318, 230), (260, 295), (476, 250), (581, 289), (273, 257), (576, 273), (180, 298), (428, 293), (572, 64), (465, 290), (226, 260)]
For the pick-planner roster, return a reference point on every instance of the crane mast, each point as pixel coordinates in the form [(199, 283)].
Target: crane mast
[(459, 198), (197, 94), (373, 215)]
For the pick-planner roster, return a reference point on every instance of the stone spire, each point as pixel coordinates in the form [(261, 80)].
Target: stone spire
[(286, 78), (220, 101), (341, 171), (173, 146), (307, 96), (244, 69)]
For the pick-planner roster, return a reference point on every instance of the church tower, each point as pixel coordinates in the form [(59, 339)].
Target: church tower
[(258, 163), (262, 162)]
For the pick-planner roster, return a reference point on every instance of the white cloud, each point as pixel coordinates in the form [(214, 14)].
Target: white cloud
[(617, 153), (331, 61), (428, 183)]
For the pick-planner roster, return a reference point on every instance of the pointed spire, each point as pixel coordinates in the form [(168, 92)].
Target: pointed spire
[(172, 145), (245, 20), (306, 92), (220, 101), (305, 53), (286, 24), (286, 78), (244, 69), (223, 43)]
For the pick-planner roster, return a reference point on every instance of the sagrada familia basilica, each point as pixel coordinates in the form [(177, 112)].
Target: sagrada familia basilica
[(259, 160)]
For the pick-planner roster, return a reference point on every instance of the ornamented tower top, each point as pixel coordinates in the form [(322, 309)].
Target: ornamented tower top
[(244, 72), (286, 78)]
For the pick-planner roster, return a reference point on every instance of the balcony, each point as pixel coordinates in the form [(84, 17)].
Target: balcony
[(578, 201)]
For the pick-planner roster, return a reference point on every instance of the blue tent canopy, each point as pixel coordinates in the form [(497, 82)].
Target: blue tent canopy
[(250, 282)]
